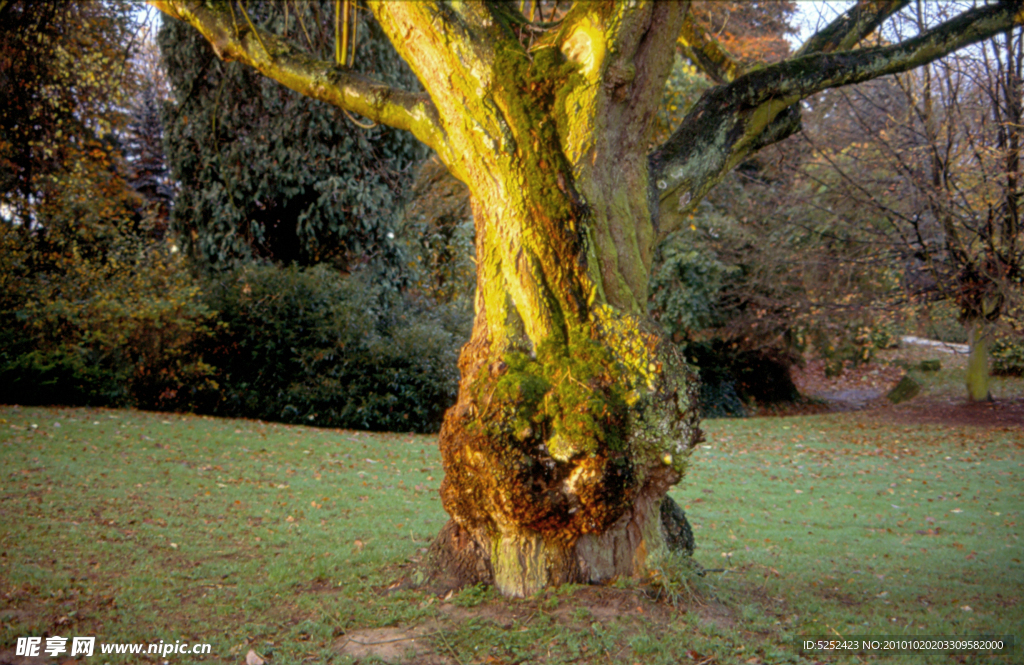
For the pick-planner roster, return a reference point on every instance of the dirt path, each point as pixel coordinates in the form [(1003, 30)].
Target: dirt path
[(865, 387), (856, 388)]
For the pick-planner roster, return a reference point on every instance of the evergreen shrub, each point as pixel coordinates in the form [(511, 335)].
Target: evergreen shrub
[(1008, 346), (312, 346)]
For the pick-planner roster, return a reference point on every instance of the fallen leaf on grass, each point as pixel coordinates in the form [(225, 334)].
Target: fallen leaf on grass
[(252, 658)]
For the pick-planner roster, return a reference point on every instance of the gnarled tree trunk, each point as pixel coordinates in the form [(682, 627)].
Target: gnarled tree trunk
[(573, 419)]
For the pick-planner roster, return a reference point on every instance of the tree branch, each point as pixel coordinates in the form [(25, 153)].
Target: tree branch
[(705, 52), (801, 77), (731, 121), (276, 58), (851, 27)]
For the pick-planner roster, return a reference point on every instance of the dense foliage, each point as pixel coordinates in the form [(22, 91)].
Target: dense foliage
[(265, 172), (292, 344), (124, 329), (64, 81), (99, 306), (312, 346)]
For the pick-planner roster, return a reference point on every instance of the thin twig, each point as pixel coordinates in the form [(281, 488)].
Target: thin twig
[(253, 28), (302, 24), (454, 654), (355, 34), (357, 123), (337, 32)]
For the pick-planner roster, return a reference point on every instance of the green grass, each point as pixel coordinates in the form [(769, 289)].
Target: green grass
[(141, 527), (858, 526)]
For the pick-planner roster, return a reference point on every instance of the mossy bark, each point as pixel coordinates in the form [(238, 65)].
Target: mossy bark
[(573, 418), (561, 446)]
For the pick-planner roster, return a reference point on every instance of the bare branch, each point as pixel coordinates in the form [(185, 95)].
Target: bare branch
[(276, 58), (731, 121), (851, 27), (800, 77)]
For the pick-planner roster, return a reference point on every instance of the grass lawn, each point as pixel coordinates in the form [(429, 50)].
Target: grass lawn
[(145, 527)]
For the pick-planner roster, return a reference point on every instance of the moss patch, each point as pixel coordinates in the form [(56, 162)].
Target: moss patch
[(568, 394)]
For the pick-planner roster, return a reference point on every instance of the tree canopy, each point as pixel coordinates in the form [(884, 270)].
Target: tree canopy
[(66, 85)]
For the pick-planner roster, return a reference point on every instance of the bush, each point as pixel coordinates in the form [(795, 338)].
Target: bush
[(1008, 347), (134, 328), (119, 330), (731, 377), (853, 342), (312, 346), (941, 321)]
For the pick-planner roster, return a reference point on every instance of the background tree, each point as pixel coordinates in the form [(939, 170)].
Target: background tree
[(573, 418), (65, 84), (265, 172), (93, 310), (143, 141), (927, 166)]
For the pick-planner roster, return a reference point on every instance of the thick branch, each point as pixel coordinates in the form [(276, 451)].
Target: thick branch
[(846, 31), (801, 77), (705, 52), (453, 48), (624, 53), (731, 121), (276, 58)]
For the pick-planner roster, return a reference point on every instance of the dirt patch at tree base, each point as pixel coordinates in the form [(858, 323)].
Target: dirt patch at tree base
[(573, 609), (392, 645)]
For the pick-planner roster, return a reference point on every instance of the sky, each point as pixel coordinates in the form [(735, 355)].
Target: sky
[(813, 15)]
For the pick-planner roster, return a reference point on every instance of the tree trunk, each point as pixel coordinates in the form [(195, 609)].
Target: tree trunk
[(573, 419), (977, 362)]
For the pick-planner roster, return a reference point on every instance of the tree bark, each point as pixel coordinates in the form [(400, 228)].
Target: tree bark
[(977, 362)]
